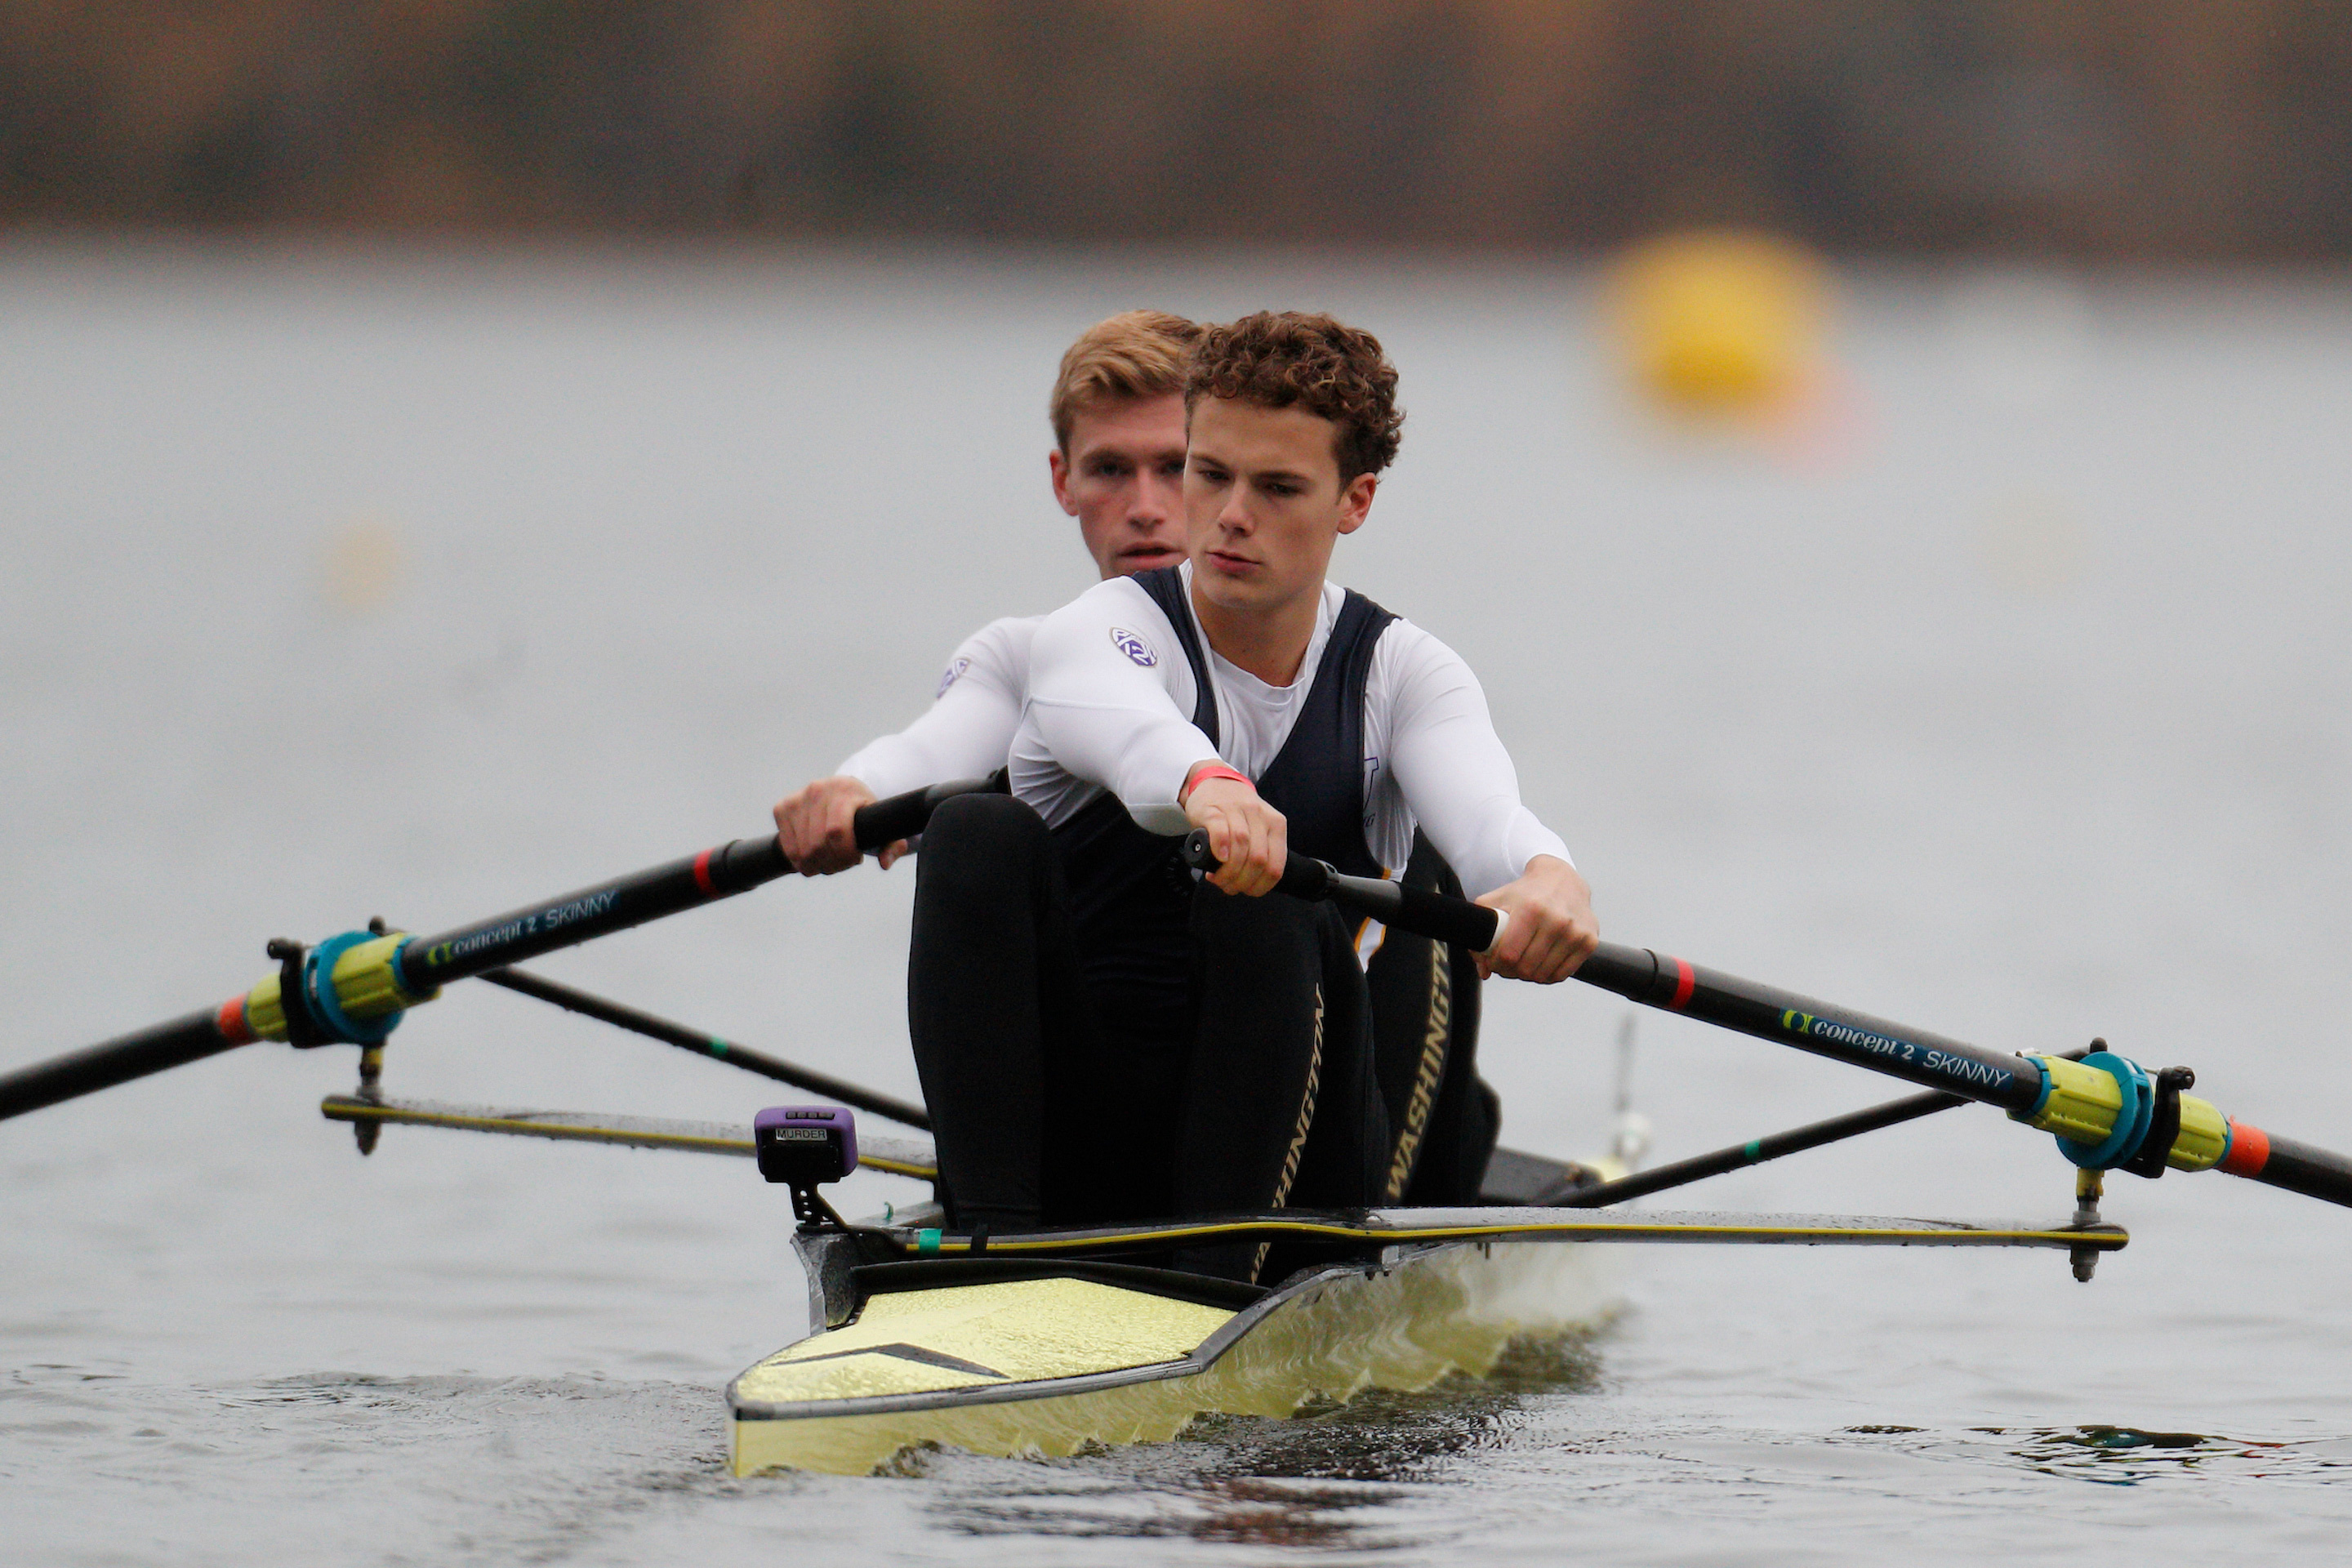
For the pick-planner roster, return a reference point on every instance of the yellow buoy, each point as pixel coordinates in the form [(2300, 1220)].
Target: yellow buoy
[(1719, 322)]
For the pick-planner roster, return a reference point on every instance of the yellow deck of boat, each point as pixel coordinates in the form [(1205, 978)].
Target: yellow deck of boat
[(1049, 1365)]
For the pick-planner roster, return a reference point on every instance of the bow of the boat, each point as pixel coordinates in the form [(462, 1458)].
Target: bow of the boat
[(1047, 1357)]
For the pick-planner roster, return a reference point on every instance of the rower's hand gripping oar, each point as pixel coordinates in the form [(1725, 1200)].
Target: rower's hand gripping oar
[(353, 988), (1414, 910), (2106, 1110)]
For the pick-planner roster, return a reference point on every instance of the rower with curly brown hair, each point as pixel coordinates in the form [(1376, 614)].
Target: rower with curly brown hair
[(1100, 1035)]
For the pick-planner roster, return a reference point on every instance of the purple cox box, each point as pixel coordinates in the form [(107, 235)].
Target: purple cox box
[(805, 1143)]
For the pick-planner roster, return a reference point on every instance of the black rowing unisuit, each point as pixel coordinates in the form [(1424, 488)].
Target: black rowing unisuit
[(1128, 890)]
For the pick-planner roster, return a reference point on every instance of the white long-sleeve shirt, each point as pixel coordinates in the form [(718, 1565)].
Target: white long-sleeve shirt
[(1110, 699), (966, 731)]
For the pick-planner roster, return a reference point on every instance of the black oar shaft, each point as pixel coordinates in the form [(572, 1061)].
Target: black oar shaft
[(626, 901), (621, 1017), (1757, 1150), (2298, 1167), (2009, 1081), (1932, 1061), (592, 913), (103, 1066), (425, 964), (1929, 1060)]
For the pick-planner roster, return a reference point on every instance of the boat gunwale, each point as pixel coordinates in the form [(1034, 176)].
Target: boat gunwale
[(1438, 1226)]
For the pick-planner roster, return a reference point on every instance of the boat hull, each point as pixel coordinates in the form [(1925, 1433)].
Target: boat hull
[(1057, 1361)]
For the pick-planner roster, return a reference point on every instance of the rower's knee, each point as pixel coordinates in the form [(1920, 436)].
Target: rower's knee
[(966, 822), (1257, 930), (982, 840)]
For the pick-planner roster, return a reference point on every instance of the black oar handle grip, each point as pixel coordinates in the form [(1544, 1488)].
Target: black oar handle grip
[(1416, 910), (1437, 916), (882, 823), (1303, 876)]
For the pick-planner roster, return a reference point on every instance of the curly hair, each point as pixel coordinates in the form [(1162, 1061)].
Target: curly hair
[(1136, 354), (1278, 359)]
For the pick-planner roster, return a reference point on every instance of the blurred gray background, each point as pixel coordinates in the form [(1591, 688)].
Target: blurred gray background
[(452, 454)]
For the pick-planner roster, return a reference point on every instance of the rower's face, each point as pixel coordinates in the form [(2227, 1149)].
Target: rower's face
[(1122, 478), (1262, 503)]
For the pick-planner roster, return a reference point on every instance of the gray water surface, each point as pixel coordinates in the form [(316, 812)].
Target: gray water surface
[(2005, 693)]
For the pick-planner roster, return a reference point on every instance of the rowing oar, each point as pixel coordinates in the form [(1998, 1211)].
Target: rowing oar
[(620, 1016), (1760, 1151), (2107, 1112), (354, 987)]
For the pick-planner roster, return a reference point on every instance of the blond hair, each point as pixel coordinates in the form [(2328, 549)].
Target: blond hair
[(1136, 354)]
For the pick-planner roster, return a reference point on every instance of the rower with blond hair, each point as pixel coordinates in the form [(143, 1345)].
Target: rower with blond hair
[(1100, 1038), (1117, 412)]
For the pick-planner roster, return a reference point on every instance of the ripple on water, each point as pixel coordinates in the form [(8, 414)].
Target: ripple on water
[(391, 1469), (1360, 1474), (2128, 1455)]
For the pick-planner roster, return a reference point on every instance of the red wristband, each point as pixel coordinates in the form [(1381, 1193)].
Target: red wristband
[(1208, 770)]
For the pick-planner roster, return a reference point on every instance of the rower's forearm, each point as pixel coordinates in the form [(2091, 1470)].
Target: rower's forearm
[(1141, 757), (1474, 818), (965, 734), (1457, 777)]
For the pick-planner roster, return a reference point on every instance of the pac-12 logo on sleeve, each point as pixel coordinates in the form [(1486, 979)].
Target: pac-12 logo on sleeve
[(1134, 647), (954, 673)]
